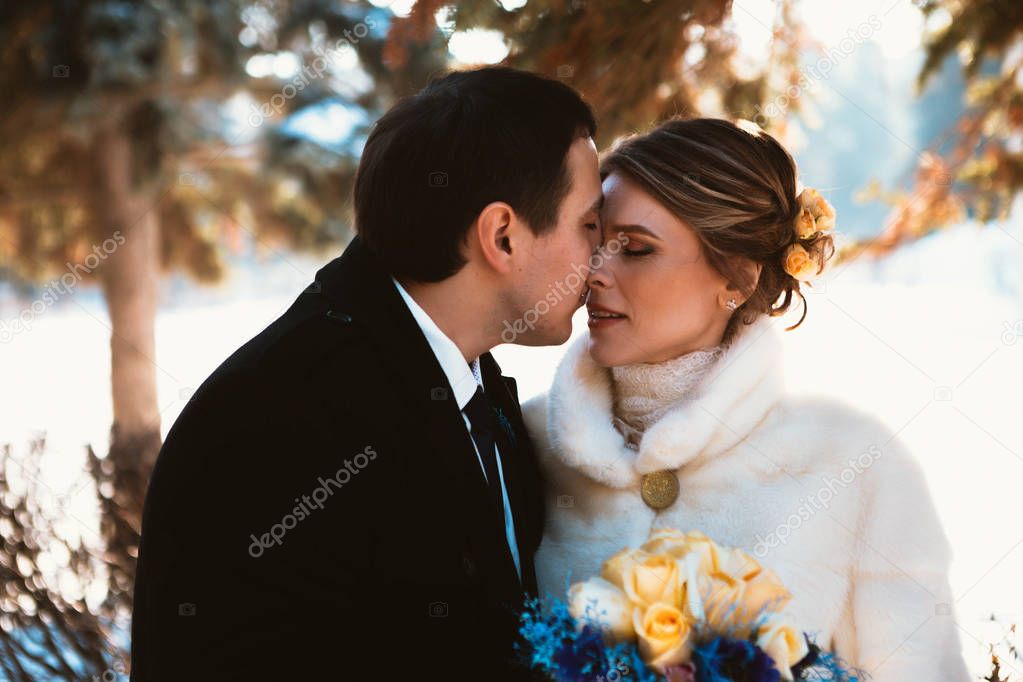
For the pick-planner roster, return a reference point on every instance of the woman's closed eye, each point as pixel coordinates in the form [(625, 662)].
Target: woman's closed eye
[(636, 249)]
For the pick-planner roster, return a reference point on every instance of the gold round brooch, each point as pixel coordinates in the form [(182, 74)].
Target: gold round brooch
[(659, 488)]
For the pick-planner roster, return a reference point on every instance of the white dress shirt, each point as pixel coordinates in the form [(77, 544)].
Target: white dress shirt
[(464, 378)]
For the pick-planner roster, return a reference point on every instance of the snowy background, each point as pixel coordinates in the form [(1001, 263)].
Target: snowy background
[(930, 339)]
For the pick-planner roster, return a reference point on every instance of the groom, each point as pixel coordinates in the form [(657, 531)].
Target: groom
[(352, 494)]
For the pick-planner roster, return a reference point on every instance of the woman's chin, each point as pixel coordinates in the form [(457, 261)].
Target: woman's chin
[(605, 352)]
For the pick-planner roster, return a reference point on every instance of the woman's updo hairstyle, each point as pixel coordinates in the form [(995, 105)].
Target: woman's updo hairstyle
[(735, 185)]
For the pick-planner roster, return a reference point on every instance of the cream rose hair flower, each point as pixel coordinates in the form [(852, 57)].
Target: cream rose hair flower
[(816, 215), (799, 263)]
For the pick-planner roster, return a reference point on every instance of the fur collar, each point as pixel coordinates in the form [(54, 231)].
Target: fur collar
[(734, 397)]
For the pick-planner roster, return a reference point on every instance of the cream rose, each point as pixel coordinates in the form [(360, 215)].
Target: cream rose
[(663, 632), (799, 264), (657, 578), (808, 197), (663, 539), (614, 568), (818, 209), (783, 643), (597, 599), (764, 593), (681, 545), (739, 594), (826, 221), (806, 226), (735, 565), (722, 605)]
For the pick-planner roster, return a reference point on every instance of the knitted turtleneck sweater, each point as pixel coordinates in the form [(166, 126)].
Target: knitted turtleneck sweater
[(643, 393)]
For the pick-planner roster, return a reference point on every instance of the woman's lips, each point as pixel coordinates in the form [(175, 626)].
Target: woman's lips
[(600, 317)]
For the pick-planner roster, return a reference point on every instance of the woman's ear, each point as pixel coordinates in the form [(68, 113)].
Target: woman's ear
[(495, 232), (748, 274)]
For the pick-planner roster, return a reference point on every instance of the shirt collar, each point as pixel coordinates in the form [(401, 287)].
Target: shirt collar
[(463, 377)]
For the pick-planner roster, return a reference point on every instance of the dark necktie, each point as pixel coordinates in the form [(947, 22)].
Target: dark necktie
[(481, 417)]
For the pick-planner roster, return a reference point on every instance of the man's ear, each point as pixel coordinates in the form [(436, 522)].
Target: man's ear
[(497, 234)]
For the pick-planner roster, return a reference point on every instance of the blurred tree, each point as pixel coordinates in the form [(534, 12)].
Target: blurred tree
[(977, 168), (49, 632), (146, 137), (636, 63)]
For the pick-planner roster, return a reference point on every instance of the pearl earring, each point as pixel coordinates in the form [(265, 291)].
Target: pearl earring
[(731, 305)]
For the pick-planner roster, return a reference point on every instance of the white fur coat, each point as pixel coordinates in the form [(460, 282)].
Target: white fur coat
[(822, 494)]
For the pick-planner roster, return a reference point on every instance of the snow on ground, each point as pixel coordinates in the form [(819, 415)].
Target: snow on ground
[(930, 340)]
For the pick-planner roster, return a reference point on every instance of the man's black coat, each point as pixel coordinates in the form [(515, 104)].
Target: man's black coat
[(318, 507)]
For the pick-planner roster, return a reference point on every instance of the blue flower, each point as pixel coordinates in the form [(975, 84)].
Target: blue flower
[(724, 659), (556, 645), (569, 650)]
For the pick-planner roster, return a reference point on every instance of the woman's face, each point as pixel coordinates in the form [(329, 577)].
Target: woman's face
[(666, 298)]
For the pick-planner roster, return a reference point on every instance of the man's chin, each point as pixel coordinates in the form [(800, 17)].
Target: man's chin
[(548, 336)]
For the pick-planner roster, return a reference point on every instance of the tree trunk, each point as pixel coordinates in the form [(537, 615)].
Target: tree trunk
[(126, 214)]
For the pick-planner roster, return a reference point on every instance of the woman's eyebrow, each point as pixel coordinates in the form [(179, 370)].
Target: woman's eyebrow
[(639, 229)]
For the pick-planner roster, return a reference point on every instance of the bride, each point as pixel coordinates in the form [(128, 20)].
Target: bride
[(671, 412)]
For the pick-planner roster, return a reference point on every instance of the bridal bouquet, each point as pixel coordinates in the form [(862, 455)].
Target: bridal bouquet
[(680, 608)]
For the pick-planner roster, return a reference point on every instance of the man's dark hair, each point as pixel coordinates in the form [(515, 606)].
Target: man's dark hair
[(469, 138)]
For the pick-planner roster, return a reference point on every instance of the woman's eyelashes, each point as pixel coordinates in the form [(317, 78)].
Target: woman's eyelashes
[(636, 249)]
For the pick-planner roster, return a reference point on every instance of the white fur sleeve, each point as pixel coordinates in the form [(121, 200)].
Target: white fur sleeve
[(900, 621)]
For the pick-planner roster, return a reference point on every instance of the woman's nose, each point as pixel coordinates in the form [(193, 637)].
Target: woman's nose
[(600, 275)]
